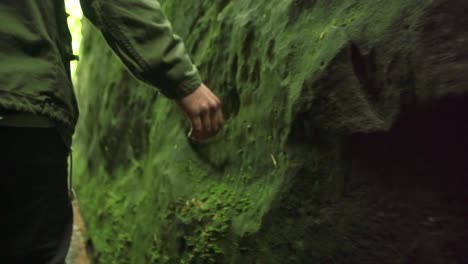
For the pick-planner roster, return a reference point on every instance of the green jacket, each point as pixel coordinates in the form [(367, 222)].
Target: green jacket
[(35, 52)]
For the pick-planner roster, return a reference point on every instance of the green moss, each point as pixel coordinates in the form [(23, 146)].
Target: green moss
[(286, 73)]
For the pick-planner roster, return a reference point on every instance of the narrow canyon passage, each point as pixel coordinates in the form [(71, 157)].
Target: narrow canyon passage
[(344, 141)]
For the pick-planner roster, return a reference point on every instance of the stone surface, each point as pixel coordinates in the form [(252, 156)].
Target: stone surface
[(344, 143)]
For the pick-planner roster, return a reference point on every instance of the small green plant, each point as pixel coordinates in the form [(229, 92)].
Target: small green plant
[(208, 221)]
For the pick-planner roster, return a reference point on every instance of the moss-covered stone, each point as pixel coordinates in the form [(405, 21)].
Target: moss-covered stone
[(321, 97)]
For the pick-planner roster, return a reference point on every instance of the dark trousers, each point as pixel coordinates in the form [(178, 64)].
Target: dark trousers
[(36, 217)]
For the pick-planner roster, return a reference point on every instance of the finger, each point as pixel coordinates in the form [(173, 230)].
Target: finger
[(206, 120), (220, 117), (197, 127), (214, 117), (216, 99)]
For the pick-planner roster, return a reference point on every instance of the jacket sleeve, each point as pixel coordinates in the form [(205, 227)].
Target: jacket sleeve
[(140, 34)]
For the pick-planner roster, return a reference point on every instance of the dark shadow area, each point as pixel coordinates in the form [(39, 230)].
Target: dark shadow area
[(390, 197), (419, 170), (426, 150)]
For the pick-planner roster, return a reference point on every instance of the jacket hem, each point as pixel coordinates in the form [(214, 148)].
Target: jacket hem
[(10, 101)]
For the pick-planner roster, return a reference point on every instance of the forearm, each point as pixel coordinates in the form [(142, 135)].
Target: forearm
[(140, 34)]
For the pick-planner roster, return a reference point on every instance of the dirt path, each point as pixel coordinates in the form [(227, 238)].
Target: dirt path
[(77, 253)]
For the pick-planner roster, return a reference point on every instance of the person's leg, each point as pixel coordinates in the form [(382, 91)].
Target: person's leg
[(36, 213)]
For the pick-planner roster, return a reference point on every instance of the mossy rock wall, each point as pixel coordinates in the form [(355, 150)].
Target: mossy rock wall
[(344, 141)]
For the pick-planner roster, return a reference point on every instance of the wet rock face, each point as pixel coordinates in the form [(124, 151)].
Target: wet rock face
[(344, 141)]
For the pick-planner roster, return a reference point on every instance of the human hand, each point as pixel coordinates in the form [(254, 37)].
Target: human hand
[(203, 108)]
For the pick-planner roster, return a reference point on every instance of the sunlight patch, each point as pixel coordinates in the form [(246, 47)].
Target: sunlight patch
[(74, 23)]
